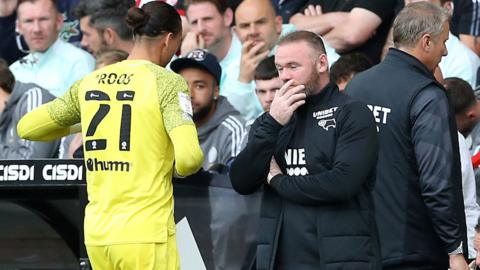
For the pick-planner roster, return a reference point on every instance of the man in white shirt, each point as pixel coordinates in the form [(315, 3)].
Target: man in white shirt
[(210, 28), (52, 63)]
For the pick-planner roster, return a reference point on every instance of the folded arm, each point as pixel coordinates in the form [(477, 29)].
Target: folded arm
[(354, 161)]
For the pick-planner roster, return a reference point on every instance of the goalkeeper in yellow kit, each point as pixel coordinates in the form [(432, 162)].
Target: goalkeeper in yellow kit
[(137, 131)]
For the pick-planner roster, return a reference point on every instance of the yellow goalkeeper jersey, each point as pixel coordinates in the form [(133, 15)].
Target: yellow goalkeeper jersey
[(136, 120)]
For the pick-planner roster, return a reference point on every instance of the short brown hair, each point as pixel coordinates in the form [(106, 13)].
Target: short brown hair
[(266, 69), (348, 65), (7, 80), (313, 40), (221, 5), (460, 94)]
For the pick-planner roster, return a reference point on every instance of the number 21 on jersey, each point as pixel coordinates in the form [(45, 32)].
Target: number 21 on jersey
[(125, 96)]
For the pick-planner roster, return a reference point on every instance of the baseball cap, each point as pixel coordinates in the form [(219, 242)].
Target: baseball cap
[(201, 59)]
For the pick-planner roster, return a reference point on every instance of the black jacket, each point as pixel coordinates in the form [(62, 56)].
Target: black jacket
[(319, 213), (418, 195)]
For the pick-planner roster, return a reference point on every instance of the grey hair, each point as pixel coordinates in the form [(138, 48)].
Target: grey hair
[(417, 19)]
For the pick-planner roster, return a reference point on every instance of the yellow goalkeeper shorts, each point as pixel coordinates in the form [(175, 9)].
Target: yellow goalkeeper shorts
[(151, 256)]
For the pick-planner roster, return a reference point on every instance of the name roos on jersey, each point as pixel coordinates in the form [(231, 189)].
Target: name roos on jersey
[(114, 78)]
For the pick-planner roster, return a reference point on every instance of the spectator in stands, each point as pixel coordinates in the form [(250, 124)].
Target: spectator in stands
[(467, 113), (52, 63), (267, 82), (16, 99), (103, 25), (460, 62), (8, 47), (465, 104), (210, 28), (255, 23), (356, 25), (314, 154), (13, 46), (240, 91), (419, 206), (343, 70), (259, 28), (130, 168), (220, 127), (212, 19)]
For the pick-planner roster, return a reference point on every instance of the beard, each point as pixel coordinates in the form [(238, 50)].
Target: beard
[(102, 49), (203, 112), (215, 44), (312, 83)]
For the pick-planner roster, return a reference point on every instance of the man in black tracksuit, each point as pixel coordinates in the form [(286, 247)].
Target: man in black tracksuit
[(314, 153), (418, 199)]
